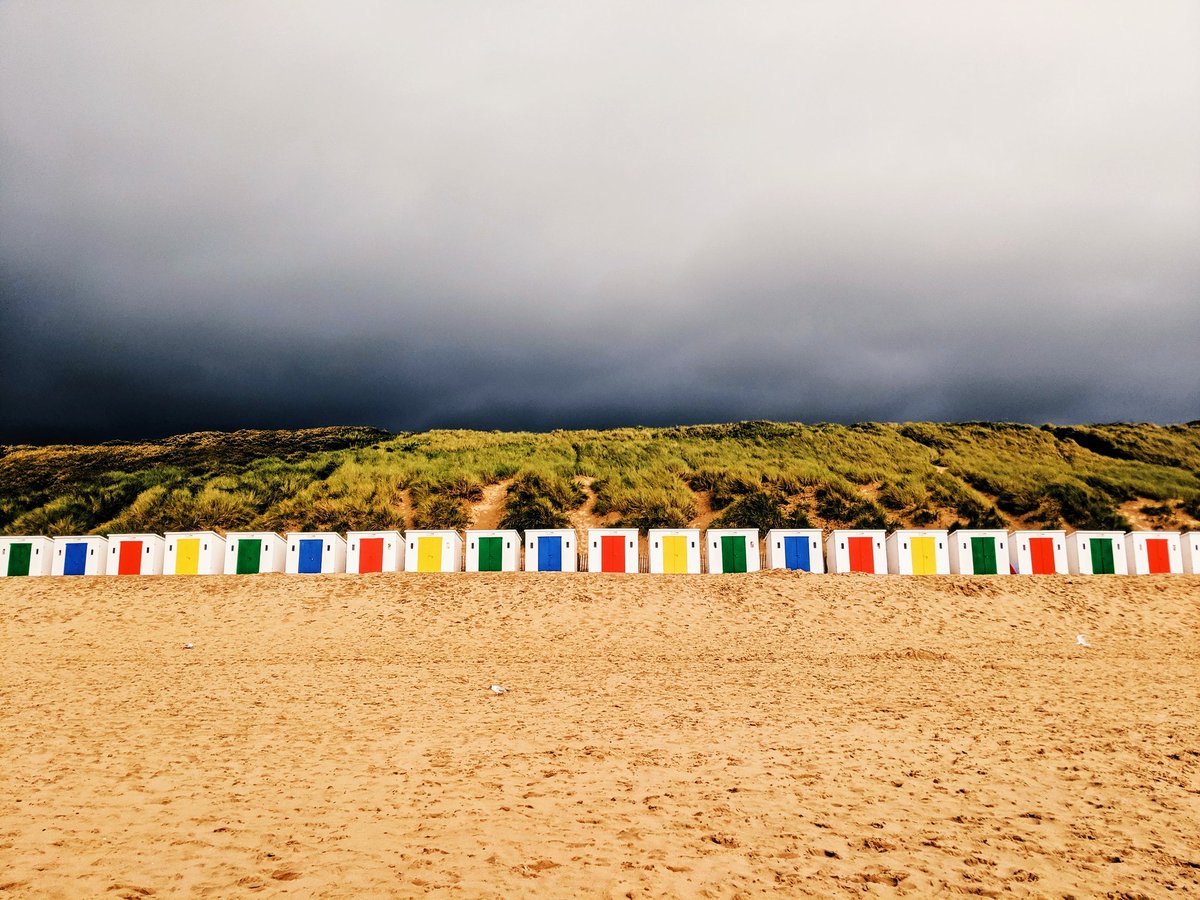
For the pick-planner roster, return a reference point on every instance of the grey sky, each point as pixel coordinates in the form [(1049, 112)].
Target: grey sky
[(218, 215)]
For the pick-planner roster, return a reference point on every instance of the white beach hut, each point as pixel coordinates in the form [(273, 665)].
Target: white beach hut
[(913, 551), (80, 555), (1154, 552), (193, 553), (315, 553), (374, 551), (135, 554), (25, 556), (438, 550), (1097, 553), (612, 550), (551, 550), (674, 551), (1038, 552), (732, 550), (492, 550), (857, 550), (979, 551), (1191, 552), (254, 552), (798, 549)]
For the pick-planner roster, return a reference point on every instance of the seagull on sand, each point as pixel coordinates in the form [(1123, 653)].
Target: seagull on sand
[(496, 689), (1082, 641), (189, 646)]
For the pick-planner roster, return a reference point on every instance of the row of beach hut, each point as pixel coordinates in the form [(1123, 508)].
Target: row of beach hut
[(686, 550)]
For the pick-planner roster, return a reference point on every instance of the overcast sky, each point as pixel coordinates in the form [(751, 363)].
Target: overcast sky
[(539, 215)]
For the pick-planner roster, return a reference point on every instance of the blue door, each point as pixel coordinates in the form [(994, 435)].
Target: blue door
[(549, 554), (310, 556), (795, 553), (75, 559)]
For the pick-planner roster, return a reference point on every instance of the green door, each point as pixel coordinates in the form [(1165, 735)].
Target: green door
[(18, 558), (491, 554), (983, 555), (1102, 557), (249, 553), (733, 553)]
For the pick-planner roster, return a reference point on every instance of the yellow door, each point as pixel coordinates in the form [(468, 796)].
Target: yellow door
[(675, 554), (429, 554), (924, 558), (187, 556)]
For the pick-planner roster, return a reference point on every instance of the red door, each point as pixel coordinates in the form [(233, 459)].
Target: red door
[(862, 555), (130, 560), (612, 553), (1158, 556), (370, 555), (1041, 556)]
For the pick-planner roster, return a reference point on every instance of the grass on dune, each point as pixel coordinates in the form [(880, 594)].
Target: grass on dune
[(761, 474)]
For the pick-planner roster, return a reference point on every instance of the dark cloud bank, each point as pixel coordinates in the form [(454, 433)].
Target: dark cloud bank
[(526, 216)]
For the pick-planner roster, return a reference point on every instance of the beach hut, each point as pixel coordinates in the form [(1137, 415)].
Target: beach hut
[(194, 553), (1154, 552), (1038, 552), (374, 551), (1191, 552), (913, 551), (1096, 553), (551, 550), (798, 549), (25, 556), (975, 551), (252, 552), (493, 551), (857, 550), (315, 553), (732, 550), (135, 554), (84, 555), (432, 551), (612, 550), (674, 551)]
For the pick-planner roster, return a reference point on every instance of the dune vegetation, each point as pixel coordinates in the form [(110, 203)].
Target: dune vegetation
[(752, 474)]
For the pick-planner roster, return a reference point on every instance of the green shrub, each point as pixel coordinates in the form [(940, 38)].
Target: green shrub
[(442, 512), (540, 501)]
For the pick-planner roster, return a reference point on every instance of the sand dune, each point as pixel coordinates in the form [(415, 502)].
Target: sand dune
[(663, 736)]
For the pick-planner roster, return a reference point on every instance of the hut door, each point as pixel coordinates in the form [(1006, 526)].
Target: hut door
[(310, 556), (491, 554), (924, 557), (370, 555), (1041, 556), (429, 554), (983, 555), (18, 558), (1102, 556), (862, 555), (187, 556), (612, 553), (549, 554), (733, 553), (129, 559), (795, 553), (75, 559), (1158, 557), (248, 554), (675, 554)]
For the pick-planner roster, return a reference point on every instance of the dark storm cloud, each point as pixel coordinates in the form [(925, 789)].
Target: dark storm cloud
[(523, 215)]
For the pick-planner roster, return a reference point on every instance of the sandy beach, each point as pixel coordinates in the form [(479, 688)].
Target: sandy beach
[(663, 736)]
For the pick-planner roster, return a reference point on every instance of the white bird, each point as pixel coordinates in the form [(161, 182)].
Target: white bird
[(189, 646), (496, 689), (1082, 641)]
